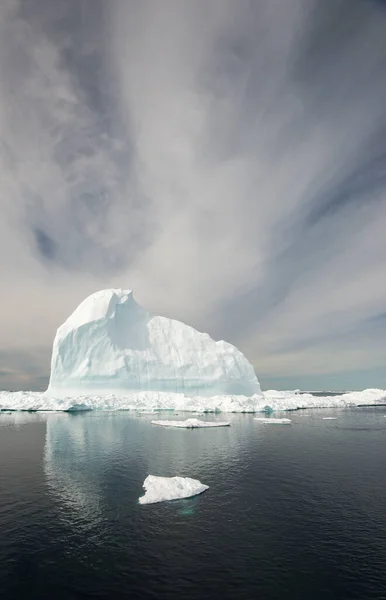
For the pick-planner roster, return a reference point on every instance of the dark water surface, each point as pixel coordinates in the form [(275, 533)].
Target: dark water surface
[(293, 512)]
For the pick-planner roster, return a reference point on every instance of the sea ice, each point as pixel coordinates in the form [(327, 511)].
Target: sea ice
[(192, 423), (159, 489), (161, 401), (273, 421), (329, 418), (111, 345)]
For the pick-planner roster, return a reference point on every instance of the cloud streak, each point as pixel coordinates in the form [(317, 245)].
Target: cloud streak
[(225, 161)]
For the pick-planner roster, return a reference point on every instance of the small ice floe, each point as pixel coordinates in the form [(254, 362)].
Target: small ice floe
[(273, 421), (192, 423), (159, 489), (329, 418)]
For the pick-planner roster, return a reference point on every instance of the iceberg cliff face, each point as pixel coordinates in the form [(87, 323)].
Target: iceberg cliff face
[(110, 344)]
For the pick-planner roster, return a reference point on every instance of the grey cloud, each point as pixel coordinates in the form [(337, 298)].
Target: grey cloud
[(64, 156)]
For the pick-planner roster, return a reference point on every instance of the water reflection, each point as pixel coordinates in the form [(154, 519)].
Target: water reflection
[(18, 418), (90, 458), (293, 500)]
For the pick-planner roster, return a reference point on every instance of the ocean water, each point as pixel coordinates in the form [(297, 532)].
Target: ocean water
[(293, 511)]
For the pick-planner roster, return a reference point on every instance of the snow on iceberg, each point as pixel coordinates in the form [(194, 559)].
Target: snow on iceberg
[(192, 423), (272, 420), (110, 344), (159, 489)]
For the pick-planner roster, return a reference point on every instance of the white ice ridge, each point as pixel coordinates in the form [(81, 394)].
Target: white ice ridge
[(270, 401), (273, 421), (111, 345), (159, 489), (192, 423)]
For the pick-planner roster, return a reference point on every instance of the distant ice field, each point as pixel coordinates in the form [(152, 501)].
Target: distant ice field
[(269, 401)]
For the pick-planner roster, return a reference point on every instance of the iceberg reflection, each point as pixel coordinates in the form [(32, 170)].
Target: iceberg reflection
[(90, 457)]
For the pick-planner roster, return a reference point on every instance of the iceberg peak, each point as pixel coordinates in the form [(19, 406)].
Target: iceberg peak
[(98, 306)]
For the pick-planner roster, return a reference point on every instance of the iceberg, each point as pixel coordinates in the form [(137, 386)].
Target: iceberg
[(111, 345), (111, 355), (159, 489), (192, 423), (273, 421)]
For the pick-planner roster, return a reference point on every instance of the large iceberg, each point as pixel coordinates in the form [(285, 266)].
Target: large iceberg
[(110, 344), (111, 355)]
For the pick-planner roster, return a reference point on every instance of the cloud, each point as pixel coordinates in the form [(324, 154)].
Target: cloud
[(225, 161), (261, 148), (64, 215)]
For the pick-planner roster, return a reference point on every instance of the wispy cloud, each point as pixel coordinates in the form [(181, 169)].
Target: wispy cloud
[(226, 160)]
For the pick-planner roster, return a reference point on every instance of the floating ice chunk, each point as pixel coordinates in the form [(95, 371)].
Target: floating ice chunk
[(159, 489), (329, 418), (273, 421), (192, 423)]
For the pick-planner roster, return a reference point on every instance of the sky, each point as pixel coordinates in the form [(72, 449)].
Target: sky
[(225, 160)]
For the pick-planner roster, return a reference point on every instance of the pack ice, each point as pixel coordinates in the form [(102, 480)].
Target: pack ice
[(110, 344), (158, 489)]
